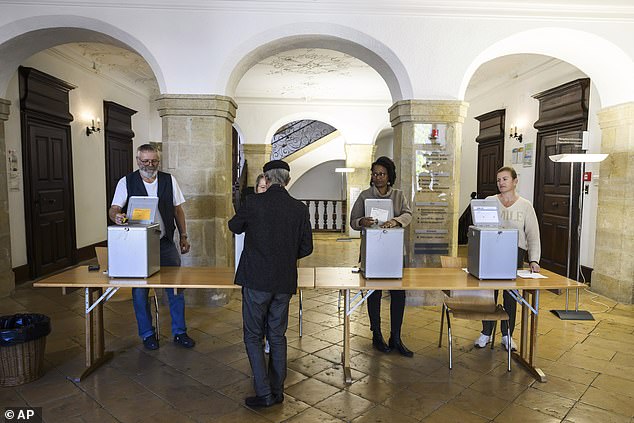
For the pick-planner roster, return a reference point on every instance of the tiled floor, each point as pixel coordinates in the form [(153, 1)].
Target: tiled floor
[(590, 366)]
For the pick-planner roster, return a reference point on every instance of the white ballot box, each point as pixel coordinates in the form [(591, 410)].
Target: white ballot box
[(492, 249), (382, 252), (134, 250)]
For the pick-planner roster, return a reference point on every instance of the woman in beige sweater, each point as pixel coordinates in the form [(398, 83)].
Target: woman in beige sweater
[(383, 177), (518, 213)]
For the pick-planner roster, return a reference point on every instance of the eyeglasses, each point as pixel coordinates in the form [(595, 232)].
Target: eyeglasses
[(149, 161), (379, 174)]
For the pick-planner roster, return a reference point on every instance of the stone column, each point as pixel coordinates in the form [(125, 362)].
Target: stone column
[(7, 278), (613, 274), (197, 151), (256, 155), (413, 122), (358, 156)]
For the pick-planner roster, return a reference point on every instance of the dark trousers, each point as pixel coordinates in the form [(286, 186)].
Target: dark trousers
[(510, 305), (397, 309), (266, 311)]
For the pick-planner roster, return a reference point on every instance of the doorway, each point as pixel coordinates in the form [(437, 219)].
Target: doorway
[(48, 177)]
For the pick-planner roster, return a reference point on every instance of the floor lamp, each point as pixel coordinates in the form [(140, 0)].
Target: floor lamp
[(343, 171), (572, 159)]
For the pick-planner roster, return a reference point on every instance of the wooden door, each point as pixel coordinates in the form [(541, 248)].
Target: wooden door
[(118, 136), (563, 115), (558, 220), (490, 151), (490, 159), (52, 211), (49, 206)]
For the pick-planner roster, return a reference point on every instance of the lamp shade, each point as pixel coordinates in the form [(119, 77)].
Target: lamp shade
[(578, 158)]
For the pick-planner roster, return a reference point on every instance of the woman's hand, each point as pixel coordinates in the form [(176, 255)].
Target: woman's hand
[(366, 222), (391, 224), (534, 267)]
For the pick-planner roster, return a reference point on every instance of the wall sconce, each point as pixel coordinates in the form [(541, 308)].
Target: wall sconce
[(92, 128), (513, 134)]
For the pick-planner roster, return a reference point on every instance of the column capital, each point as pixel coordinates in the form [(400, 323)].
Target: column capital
[(4, 109), (196, 105), (619, 115), (437, 111), (257, 149)]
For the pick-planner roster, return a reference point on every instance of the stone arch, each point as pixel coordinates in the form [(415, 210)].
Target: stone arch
[(318, 35), (22, 39), (614, 82)]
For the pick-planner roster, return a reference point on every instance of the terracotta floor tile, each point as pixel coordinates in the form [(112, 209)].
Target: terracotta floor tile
[(345, 405), (561, 387), (449, 413), (374, 389), (380, 414), (584, 413), (311, 391), (313, 415), (480, 404), (545, 402), (517, 413), (615, 402)]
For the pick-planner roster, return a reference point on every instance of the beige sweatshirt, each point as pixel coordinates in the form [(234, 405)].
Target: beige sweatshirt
[(521, 216), (402, 211)]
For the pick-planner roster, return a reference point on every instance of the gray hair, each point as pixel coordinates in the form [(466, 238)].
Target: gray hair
[(278, 176)]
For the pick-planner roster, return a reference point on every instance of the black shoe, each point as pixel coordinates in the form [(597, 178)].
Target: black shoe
[(279, 398), (265, 401), (151, 343), (379, 343), (184, 341), (397, 344)]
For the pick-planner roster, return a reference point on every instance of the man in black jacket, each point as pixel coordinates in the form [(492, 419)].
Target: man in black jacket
[(277, 234)]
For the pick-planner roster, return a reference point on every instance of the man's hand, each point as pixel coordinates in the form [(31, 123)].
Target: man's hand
[(534, 267), (184, 244), (120, 219), (392, 223)]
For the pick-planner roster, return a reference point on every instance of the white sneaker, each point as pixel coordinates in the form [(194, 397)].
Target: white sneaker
[(267, 347), (505, 343), (482, 341)]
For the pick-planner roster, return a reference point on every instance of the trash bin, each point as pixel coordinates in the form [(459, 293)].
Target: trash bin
[(22, 345)]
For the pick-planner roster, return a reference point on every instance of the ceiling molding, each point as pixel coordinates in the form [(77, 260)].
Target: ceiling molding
[(568, 10), (315, 102)]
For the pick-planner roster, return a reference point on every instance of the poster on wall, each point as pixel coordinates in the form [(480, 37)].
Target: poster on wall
[(528, 155), (432, 183)]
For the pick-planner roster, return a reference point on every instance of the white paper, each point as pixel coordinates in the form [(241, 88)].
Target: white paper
[(527, 274), (379, 215)]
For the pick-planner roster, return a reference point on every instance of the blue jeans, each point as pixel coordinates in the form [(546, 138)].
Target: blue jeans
[(169, 257)]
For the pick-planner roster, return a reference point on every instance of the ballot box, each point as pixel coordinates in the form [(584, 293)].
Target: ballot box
[(382, 252), (492, 248), (134, 249)]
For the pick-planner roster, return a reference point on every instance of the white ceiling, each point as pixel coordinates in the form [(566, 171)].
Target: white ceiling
[(119, 65), (307, 74), (313, 74)]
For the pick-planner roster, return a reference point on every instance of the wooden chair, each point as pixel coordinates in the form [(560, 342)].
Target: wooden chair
[(470, 305), (125, 294)]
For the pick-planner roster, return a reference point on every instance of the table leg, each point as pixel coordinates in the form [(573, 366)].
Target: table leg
[(95, 350), (347, 374), (528, 339)]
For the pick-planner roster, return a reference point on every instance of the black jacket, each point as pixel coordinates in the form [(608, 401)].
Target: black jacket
[(277, 233)]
